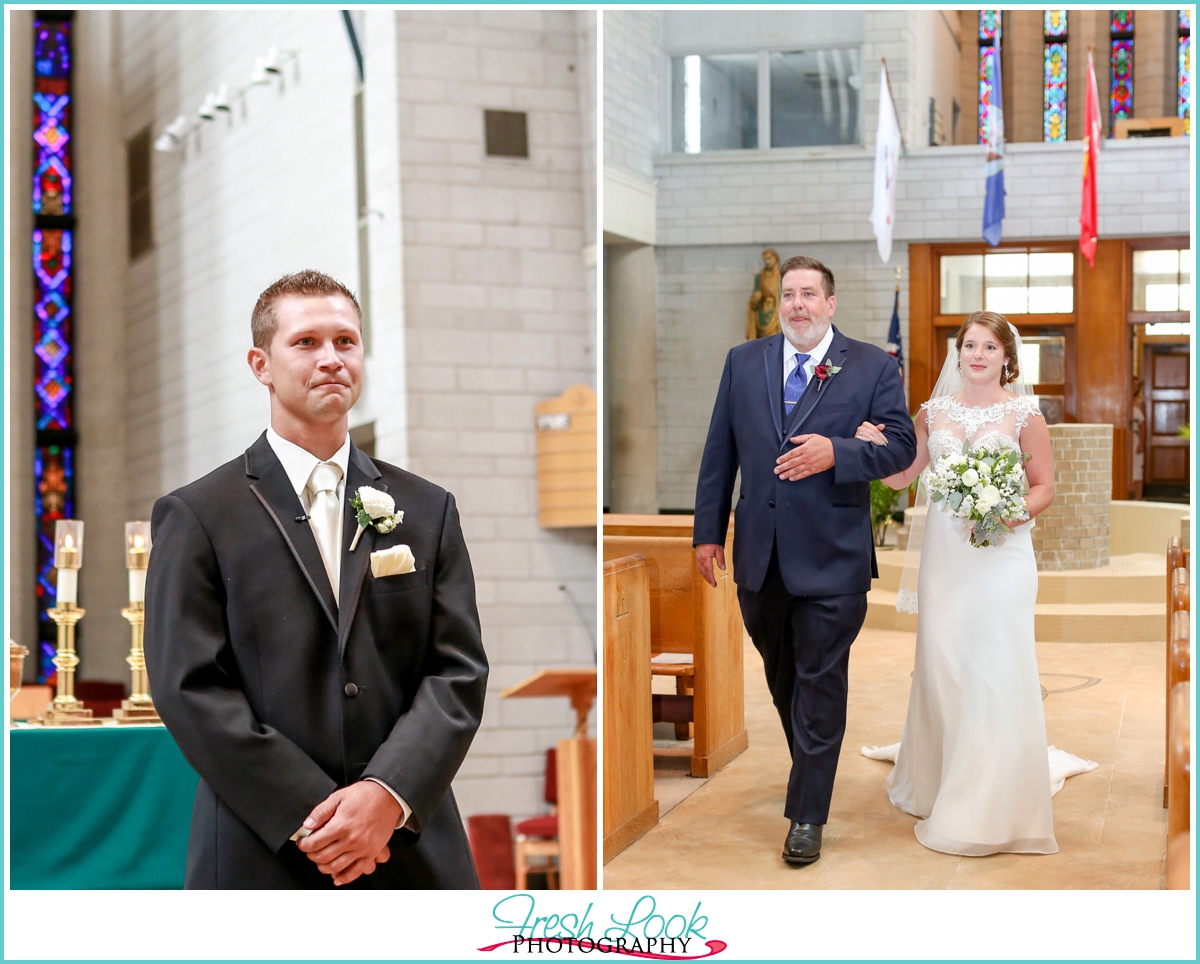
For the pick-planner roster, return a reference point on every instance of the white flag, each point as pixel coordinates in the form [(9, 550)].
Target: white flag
[(887, 161)]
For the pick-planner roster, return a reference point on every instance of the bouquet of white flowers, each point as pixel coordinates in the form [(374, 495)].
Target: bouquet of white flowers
[(982, 488)]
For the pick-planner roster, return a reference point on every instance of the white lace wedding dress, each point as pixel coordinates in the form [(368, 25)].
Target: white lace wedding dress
[(973, 762)]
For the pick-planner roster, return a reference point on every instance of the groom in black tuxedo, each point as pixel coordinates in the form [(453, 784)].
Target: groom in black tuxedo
[(325, 697), (786, 412)]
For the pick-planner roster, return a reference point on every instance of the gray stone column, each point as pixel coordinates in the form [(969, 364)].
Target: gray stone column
[(101, 256), (631, 373)]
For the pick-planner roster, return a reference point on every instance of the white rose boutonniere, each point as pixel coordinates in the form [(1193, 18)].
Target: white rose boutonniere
[(376, 509)]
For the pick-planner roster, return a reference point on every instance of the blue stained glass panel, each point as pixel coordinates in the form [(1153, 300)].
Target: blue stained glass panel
[(987, 83), (52, 48), (54, 499), (989, 24), (1054, 94), (51, 201), (52, 328), (1121, 86)]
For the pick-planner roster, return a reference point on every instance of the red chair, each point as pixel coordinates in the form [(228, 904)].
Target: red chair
[(537, 837), (490, 836)]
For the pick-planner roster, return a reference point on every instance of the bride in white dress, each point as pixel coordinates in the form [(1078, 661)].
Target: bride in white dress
[(973, 763)]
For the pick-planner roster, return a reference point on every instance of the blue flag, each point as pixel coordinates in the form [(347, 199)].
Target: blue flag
[(993, 203), (894, 347)]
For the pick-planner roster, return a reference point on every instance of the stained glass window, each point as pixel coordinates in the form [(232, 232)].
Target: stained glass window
[(1121, 72), (1184, 74), (54, 222), (989, 50), (1054, 77)]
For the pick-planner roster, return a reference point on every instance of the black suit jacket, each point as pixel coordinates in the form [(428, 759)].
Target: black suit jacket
[(251, 661), (820, 525)]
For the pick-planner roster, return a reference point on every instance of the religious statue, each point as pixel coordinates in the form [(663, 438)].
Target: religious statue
[(762, 312)]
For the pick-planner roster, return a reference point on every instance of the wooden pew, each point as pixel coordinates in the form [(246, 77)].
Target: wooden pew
[(1179, 807), (629, 805), (1178, 598), (689, 616)]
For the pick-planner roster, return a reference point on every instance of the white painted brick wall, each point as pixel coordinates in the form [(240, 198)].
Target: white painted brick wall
[(631, 91), (805, 195), (497, 319)]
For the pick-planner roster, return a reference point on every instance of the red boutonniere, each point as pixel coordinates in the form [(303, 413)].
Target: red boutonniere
[(825, 371)]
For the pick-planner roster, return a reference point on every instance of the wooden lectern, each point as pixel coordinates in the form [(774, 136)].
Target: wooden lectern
[(576, 773)]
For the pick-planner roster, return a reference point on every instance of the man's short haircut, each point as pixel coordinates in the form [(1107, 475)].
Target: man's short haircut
[(306, 284), (801, 263)]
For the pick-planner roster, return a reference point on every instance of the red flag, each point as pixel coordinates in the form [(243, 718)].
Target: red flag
[(1089, 219)]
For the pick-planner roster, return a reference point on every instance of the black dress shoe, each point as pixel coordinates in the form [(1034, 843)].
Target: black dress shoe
[(803, 844)]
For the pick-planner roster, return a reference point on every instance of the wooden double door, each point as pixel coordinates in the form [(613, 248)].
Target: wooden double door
[(1166, 374)]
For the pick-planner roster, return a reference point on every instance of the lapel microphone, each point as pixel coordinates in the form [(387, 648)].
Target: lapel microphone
[(303, 518)]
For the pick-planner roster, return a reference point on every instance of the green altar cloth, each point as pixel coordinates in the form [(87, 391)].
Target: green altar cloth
[(98, 808)]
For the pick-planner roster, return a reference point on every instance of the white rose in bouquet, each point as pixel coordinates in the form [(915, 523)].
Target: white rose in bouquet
[(970, 477), (989, 498)]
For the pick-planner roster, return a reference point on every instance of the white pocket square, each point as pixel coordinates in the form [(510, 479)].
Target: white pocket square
[(392, 562)]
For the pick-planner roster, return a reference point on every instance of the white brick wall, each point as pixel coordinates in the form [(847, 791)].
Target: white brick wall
[(804, 195), (631, 91), (497, 319)]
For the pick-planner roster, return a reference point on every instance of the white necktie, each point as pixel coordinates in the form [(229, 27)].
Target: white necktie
[(325, 511)]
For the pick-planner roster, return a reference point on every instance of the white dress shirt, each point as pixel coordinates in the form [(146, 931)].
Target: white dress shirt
[(299, 463), (790, 353)]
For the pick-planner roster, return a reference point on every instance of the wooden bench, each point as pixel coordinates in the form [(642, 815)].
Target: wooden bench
[(689, 616), (1179, 806), (1178, 599), (629, 805)]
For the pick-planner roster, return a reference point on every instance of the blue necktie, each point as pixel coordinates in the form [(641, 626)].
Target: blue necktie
[(793, 388)]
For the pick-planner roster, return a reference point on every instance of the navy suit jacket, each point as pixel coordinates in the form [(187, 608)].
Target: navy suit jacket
[(820, 525)]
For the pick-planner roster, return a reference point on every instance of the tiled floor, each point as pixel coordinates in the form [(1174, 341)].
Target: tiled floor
[(1110, 824)]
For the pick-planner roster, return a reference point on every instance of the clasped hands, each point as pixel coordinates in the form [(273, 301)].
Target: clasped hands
[(350, 830)]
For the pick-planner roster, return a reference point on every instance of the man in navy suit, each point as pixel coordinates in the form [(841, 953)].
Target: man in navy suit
[(786, 413)]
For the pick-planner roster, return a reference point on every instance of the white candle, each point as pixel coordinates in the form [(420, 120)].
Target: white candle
[(137, 585), (68, 586)]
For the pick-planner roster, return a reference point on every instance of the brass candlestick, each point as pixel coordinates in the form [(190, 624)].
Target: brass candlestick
[(139, 708), (66, 710)]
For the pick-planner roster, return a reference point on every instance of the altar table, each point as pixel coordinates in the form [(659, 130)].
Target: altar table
[(98, 808)]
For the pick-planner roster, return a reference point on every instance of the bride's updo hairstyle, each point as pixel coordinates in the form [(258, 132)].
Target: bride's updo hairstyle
[(998, 325)]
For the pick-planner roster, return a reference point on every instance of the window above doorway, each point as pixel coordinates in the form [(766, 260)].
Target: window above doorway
[(1162, 280), (1011, 282)]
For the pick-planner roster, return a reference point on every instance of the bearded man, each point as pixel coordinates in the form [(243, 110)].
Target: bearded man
[(803, 556)]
